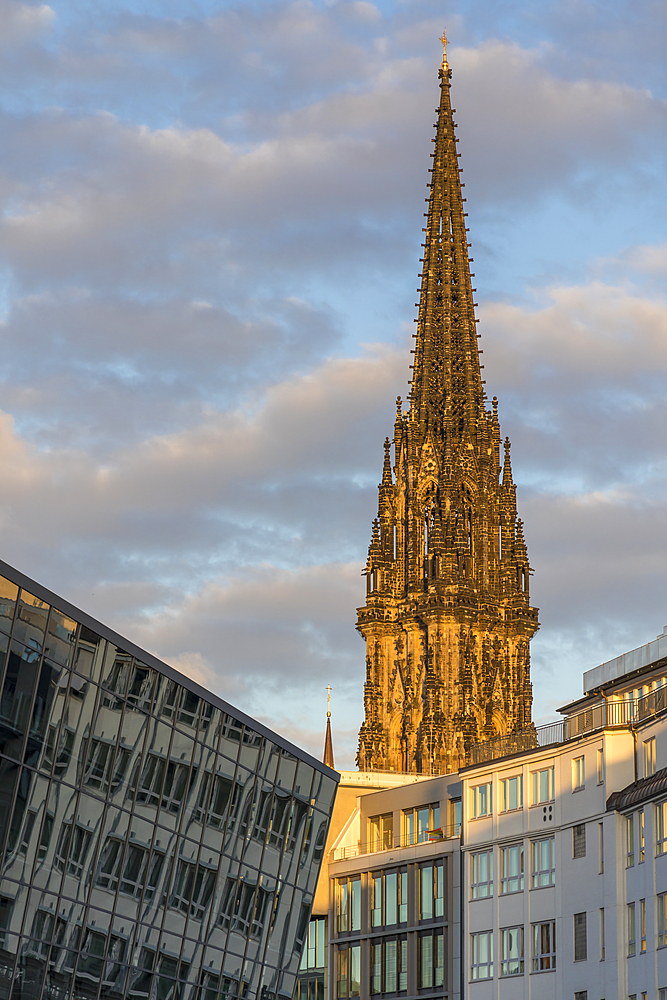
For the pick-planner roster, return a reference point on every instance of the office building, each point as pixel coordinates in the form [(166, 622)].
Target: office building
[(156, 842)]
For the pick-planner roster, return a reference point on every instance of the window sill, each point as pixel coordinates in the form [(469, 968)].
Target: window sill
[(505, 812), (515, 892), (541, 972), (538, 888), (579, 788)]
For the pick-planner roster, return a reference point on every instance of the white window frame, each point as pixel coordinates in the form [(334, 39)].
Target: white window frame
[(506, 795), (506, 961), (537, 785), (481, 795), (578, 773), (476, 964), (475, 882)]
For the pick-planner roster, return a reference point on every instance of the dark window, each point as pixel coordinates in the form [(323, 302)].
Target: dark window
[(193, 888), (579, 841), (580, 948)]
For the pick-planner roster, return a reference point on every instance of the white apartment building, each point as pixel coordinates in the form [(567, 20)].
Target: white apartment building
[(563, 848), (538, 871)]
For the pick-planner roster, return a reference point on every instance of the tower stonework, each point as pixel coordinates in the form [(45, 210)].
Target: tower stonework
[(447, 620)]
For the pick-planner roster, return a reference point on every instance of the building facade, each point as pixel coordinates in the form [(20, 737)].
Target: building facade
[(155, 842), (553, 861), (447, 620)]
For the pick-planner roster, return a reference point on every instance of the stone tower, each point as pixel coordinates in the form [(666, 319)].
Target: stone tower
[(447, 620)]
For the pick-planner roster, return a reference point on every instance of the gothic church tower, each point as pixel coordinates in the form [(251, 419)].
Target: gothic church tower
[(447, 620)]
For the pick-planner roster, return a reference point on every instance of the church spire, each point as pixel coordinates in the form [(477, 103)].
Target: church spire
[(447, 577), (328, 757), (446, 379)]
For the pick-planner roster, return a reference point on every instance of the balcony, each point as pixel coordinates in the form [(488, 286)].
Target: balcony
[(607, 714)]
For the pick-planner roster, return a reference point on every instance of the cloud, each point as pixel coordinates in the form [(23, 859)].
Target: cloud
[(22, 22), (209, 235)]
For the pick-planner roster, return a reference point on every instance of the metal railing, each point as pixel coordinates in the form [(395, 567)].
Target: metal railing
[(605, 715), (390, 843)]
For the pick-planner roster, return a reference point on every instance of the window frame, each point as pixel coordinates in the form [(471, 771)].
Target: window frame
[(580, 936), (504, 793), (505, 961), (475, 964), (538, 955), (476, 882), (537, 873), (578, 773), (505, 877), (631, 927), (486, 796), (550, 772), (649, 757)]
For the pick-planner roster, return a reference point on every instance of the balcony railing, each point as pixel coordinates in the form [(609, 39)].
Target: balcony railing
[(605, 715), (390, 843)]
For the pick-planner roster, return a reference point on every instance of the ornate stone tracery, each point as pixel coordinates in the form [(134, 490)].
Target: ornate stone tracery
[(447, 619)]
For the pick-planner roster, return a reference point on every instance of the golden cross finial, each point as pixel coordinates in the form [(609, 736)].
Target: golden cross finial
[(328, 690), (443, 39)]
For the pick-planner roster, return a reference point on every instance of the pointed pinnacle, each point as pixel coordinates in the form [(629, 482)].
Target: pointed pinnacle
[(507, 465), (386, 469)]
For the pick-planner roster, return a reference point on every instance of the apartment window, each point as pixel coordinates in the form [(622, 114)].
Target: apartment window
[(649, 757), (543, 863), (72, 847), (455, 816), (581, 995), (600, 766), (388, 965), (511, 793), (578, 774), (600, 848), (381, 832), (431, 891), (349, 905), (313, 954), (661, 828), (45, 837), (544, 946), (141, 869), (482, 804), (543, 785), (105, 767), (640, 836), (511, 951), (511, 868), (642, 926), (632, 931), (662, 993), (431, 960), (579, 841), (602, 945), (662, 920), (629, 840), (419, 822), (389, 898), (481, 955), (481, 881), (580, 941), (349, 971), (163, 783), (193, 888)]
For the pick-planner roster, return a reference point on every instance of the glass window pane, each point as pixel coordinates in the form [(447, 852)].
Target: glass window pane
[(8, 594)]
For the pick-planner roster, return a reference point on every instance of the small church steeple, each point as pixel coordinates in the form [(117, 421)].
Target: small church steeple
[(328, 758)]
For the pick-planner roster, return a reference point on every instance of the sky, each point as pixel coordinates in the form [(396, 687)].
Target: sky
[(210, 234)]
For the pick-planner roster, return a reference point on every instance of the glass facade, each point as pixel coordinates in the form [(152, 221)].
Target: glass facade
[(155, 843)]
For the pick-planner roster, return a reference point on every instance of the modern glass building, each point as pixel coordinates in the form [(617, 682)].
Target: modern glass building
[(156, 843)]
